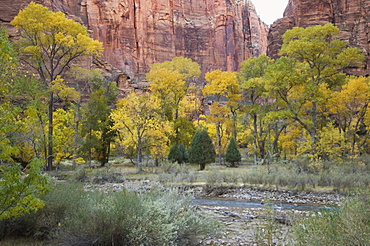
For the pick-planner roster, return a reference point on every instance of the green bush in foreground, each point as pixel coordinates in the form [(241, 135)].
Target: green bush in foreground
[(73, 216), (345, 225)]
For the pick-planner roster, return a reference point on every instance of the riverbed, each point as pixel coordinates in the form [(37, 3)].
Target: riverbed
[(247, 215)]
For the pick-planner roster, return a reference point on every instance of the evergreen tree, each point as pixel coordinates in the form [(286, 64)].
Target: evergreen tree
[(178, 154), (202, 150), (174, 155), (232, 153), (184, 153)]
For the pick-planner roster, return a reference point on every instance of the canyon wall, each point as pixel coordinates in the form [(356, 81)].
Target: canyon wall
[(352, 17), (217, 34)]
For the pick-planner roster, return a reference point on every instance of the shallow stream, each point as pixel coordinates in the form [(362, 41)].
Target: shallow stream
[(239, 203)]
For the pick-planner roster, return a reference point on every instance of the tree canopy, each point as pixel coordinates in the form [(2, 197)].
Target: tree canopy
[(49, 41)]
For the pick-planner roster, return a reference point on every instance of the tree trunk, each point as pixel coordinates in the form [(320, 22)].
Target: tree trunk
[(76, 142), (139, 150), (218, 132), (50, 134), (255, 128), (314, 127)]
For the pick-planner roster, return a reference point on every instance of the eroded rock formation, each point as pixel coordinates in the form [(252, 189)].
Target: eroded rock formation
[(217, 34), (350, 16)]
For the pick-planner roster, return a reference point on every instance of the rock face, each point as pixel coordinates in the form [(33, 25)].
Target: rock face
[(217, 34), (350, 16)]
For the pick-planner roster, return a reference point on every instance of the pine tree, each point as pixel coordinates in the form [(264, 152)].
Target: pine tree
[(184, 153), (178, 154), (202, 151), (232, 153), (174, 155)]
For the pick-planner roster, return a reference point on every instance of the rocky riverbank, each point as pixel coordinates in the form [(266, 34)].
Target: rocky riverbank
[(249, 193), (240, 225), (274, 195)]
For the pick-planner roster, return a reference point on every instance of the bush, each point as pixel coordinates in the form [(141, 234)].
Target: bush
[(346, 225), (73, 216), (214, 177), (253, 177), (231, 176)]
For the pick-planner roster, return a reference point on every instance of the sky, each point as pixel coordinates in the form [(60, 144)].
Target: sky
[(270, 10)]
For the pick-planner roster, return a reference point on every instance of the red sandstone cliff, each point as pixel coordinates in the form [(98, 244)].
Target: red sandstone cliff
[(350, 16), (217, 34)]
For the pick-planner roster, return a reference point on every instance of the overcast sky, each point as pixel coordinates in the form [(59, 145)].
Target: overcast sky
[(270, 10)]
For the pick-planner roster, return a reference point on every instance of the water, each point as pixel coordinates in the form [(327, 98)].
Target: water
[(238, 203)]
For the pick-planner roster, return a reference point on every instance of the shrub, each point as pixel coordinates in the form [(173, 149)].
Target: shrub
[(231, 176), (345, 225), (214, 177), (253, 177), (73, 216)]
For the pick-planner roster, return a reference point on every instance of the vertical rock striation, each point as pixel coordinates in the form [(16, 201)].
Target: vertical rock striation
[(217, 34), (138, 33), (350, 16)]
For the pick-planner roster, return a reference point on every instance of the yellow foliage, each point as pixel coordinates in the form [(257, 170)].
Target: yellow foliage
[(50, 41), (64, 134), (184, 66), (138, 121), (79, 160), (59, 88)]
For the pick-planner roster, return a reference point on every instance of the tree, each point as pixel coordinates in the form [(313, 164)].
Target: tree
[(97, 124), (232, 153), (8, 60), (139, 123), (64, 133), (49, 42), (201, 151), (311, 68), (349, 106), (258, 103), (178, 154), (170, 82), (85, 81), (224, 92), (189, 70), (20, 192)]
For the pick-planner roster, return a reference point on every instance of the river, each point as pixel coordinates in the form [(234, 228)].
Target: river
[(239, 203)]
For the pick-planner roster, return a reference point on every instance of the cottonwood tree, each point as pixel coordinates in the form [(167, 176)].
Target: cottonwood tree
[(224, 92), (49, 42), (348, 108), (8, 60), (311, 67), (96, 122), (258, 106), (20, 193), (171, 82), (140, 125)]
